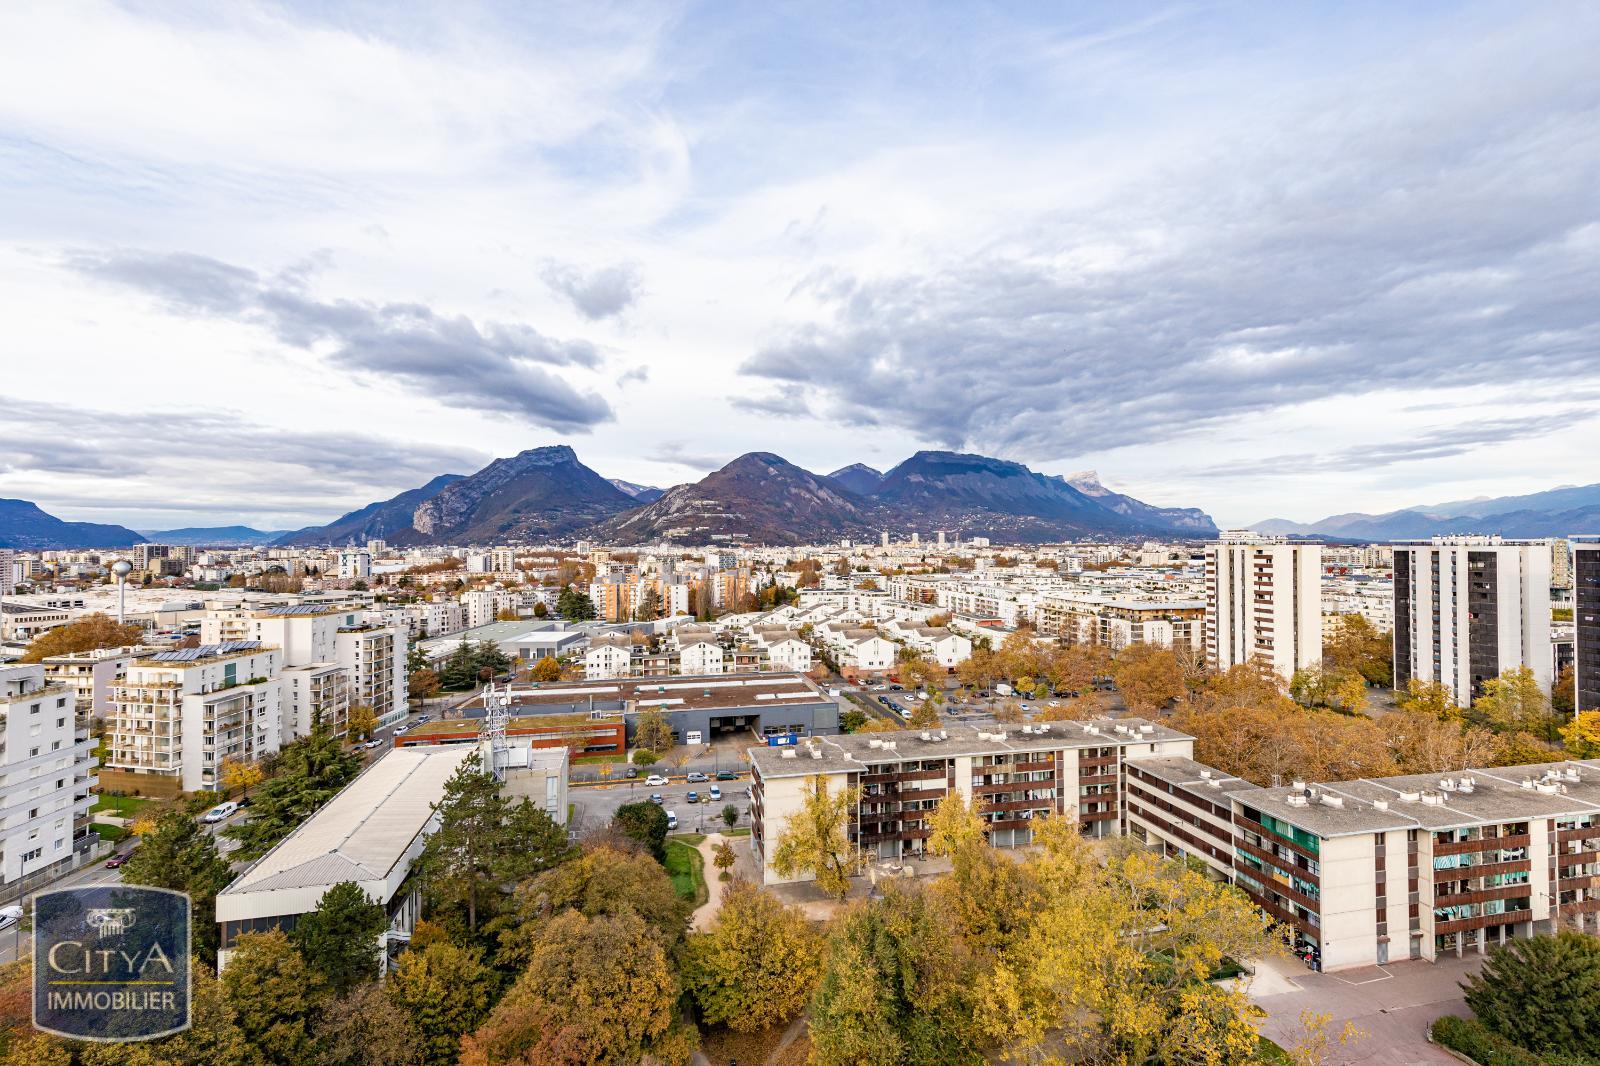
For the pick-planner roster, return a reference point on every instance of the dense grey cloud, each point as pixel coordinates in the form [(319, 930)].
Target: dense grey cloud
[(599, 293), (498, 368), (1399, 237), (788, 401), (679, 453)]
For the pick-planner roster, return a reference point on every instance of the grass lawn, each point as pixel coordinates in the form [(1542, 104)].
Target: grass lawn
[(742, 831), (586, 760), (112, 833), (1271, 1053), (692, 839), (121, 806), (687, 870)]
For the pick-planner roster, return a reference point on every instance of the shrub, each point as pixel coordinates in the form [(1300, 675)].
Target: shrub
[(1475, 1040)]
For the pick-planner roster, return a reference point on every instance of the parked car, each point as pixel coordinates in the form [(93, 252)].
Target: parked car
[(633, 771), (10, 916), (727, 775), (672, 820), (695, 777), (116, 861), (656, 798), (655, 779), (220, 813), (399, 730), (693, 797), (715, 794), (373, 744)]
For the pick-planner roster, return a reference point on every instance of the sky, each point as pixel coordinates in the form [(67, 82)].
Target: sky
[(267, 263)]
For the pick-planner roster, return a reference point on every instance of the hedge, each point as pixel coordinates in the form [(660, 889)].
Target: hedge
[(1486, 1047)]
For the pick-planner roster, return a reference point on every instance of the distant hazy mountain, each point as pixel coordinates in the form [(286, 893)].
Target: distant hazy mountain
[(214, 536), (384, 520), (640, 493), (859, 478), (760, 498), (539, 494), (1191, 520), (23, 525), (1555, 513)]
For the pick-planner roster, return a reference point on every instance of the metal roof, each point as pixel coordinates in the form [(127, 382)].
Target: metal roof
[(205, 651), (364, 830)]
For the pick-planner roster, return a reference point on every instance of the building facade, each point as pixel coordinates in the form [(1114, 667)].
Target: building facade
[(1586, 621), (1263, 603), (47, 769), (1468, 609)]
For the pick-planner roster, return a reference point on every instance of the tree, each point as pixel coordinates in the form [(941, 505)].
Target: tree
[(816, 839), (757, 964), (445, 991), (1148, 676), (240, 775), (483, 843), (652, 731), (646, 823), (339, 939), (488, 656), (1354, 644), (506, 614), (1320, 686), (1582, 735), (540, 610), (924, 714), (1009, 712), (361, 722), (1423, 744), (1564, 692), (415, 660), (596, 991), (1514, 702), (177, 854), (275, 997), (894, 988), (546, 669), (1542, 993), (460, 669), (92, 631), (575, 606), (602, 880), (852, 720), (1429, 697), (730, 816), (370, 1028), (423, 685), (723, 855), (305, 775)]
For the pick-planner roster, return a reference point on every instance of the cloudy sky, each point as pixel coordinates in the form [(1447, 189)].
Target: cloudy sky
[(267, 263)]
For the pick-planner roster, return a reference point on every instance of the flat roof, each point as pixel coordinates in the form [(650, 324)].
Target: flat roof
[(364, 830), (1185, 772), (854, 751), (1474, 796), (673, 692)]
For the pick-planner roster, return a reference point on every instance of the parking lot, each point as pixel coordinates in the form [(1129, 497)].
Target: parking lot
[(594, 805)]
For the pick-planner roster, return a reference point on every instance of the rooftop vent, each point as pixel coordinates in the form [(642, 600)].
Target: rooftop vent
[(1295, 799), (926, 735), (1466, 784), (1381, 805), (1447, 784), (1298, 784), (1527, 783), (816, 753), (1412, 797), (1042, 727), (1205, 775), (1329, 800), (943, 735), (1549, 788), (1215, 782), (788, 753), (875, 742), (1147, 728), (1433, 799), (890, 745)]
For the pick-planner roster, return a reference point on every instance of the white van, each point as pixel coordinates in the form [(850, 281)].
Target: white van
[(672, 820), (220, 813)]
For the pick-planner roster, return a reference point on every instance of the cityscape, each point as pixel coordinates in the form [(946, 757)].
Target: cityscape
[(690, 535)]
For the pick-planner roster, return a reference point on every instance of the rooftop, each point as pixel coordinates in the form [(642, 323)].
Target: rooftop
[(364, 830), (204, 653), (854, 751), (714, 692)]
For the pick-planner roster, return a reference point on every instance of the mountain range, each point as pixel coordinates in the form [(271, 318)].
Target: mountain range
[(23, 525), (213, 536), (547, 494), (1558, 512)]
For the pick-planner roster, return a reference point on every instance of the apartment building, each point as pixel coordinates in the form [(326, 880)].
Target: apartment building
[(92, 674), (313, 639), (355, 564), (1586, 620), (47, 769), (1372, 871), (8, 572), (178, 714), (1468, 609), (1263, 602), (478, 605), (1170, 621), (1060, 768), (609, 655)]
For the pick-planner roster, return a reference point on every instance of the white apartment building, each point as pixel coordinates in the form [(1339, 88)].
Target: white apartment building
[(1468, 609), (1263, 602), (178, 714), (479, 607), (92, 674), (503, 560), (355, 563), (8, 572), (701, 657), (608, 655), (47, 769)]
